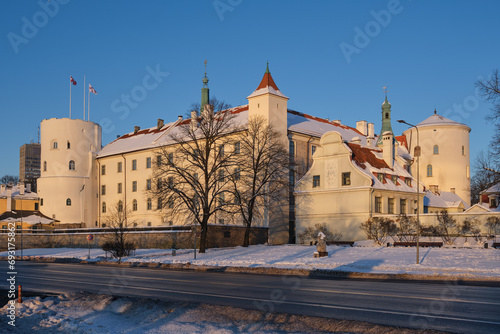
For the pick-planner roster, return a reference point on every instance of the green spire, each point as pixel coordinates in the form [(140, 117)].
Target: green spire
[(205, 92), (386, 119), (267, 69)]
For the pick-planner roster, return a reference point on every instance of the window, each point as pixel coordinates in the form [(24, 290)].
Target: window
[(71, 165), (158, 160), (346, 179), (402, 206), (134, 164), (134, 185), (221, 176), (291, 177), (316, 180), (237, 147), (429, 170), (170, 158), (313, 150), (435, 150), (415, 205), (45, 166), (378, 204), (237, 173), (170, 181), (134, 205), (408, 182), (195, 176), (103, 207), (120, 188), (148, 162), (120, 206), (221, 150), (463, 150), (149, 204), (291, 148), (221, 221), (103, 170), (103, 189), (149, 223), (394, 179), (119, 167), (390, 205), (170, 203), (159, 204), (68, 202), (36, 206), (148, 184), (221, 199), (68, 145), (54, 145), (380, 177), (41, 201), (196, 153), (467, 172), (159, 184)]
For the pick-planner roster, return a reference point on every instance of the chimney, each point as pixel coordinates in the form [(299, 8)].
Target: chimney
[(388, 148), (160, 123), (179, 118), (370, 136), (336, 121), (9, 199), (28, 188), (20, 186), (136, 129), (452, 190), (434, 189), (362, 126), (194, 120)]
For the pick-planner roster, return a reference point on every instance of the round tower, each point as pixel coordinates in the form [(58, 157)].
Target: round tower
[(445, 158), (67, 186)]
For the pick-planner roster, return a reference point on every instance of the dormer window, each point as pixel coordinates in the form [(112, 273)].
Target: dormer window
[(394, 179), (380, 177)]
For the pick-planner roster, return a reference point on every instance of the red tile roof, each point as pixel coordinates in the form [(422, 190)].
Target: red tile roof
[(267, 80), (362, 155), (402, 140)]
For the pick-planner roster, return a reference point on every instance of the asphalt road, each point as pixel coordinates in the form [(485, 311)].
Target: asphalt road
[(446, 306)]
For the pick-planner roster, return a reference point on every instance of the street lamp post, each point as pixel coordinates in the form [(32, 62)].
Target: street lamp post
[(416, 154)]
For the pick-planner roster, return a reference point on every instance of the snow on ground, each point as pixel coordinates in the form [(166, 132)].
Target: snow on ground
[(364, 258), (90, 313)]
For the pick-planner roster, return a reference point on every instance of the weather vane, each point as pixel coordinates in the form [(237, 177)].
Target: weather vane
[(385, 89)]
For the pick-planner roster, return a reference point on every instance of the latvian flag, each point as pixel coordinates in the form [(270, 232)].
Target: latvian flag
[(92, 90), (73, 81)]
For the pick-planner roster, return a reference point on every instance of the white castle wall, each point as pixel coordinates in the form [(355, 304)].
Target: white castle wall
[(77, 141)]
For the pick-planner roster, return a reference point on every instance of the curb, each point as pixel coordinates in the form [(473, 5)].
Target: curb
[(313, 273)]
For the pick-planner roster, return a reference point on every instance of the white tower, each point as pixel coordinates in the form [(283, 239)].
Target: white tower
[(445, 159), (68, 185)]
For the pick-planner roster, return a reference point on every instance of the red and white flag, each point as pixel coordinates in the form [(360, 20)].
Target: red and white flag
[(92, 90), (73, 81)]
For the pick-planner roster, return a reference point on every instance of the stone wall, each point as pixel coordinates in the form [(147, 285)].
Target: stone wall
[(218, 236)]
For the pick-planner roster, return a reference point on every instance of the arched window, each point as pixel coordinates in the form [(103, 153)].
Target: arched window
[(134, 205), (54, 145), (429, 170), (68, 202), (436, 149), (45, 166), (160, 203), (69, 145), (386, 115), (71, 165), (150, 204), (103, 207), (120, 206)]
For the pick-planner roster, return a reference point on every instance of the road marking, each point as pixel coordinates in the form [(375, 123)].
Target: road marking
[(274, 301), (271, 287)]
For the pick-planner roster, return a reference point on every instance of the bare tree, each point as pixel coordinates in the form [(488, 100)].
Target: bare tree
[(407, 229), (447, 227), (6, 179), (192, 181), (379, 229), (116, 241), (259, 176), (484, 175), (489, 89), (470, 226)]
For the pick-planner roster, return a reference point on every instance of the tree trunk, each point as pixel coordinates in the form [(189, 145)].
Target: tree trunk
[(246, 240), (203, 237)]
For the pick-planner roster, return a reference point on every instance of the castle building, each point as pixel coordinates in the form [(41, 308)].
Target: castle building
[(338, 174)]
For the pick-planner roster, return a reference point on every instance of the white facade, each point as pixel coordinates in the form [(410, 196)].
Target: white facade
[(67, 186), (445, 159)]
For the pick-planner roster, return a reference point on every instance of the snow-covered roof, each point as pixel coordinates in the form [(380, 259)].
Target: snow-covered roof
[(436, 119), (482, 207), (370, 161), (443, 199), (492, 190), (14, 192), (30, 217)]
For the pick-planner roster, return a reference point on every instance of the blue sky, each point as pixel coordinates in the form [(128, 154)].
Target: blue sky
[(428, 53)]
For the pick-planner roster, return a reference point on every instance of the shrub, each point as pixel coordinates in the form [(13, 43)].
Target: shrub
[(447, 228), (118, 249), (471, 227), (492, 224), (379, 229), (407, 229), (311, 233)]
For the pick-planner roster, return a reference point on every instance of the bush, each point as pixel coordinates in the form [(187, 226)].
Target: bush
[(311, 234), (118, 249), (492, 224), (407, 229), (379, 229), (447, 228), (471, 227)]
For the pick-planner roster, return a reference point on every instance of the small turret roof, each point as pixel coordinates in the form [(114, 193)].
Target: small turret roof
[(436, 119), (267, 86)]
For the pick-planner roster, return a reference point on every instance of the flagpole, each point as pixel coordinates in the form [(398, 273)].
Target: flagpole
[(83, 97), (88, 106), (70, 98)]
